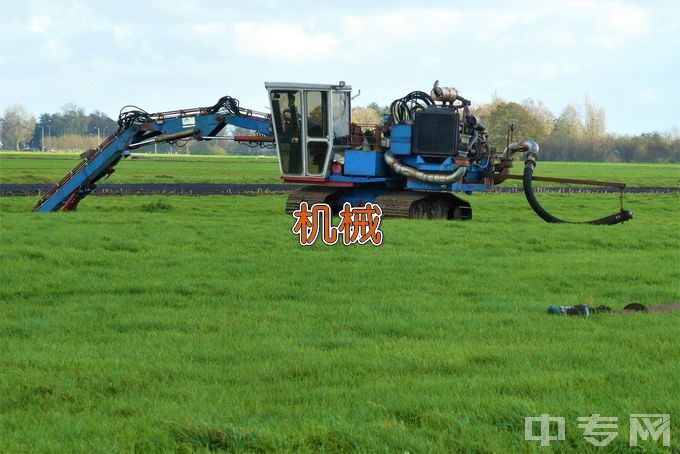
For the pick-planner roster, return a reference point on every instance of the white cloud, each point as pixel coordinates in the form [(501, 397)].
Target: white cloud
[(40, 24), (552, 70), (57, 50), (283, 41), (560, 38), (399, 27), (647, 94), (627, 20), (607, 25), (606, 42), (520, 69), (615, 24), (207, 29), (123, 35)]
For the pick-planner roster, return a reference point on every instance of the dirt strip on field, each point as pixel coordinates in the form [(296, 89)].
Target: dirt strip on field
[(250, 189), (158, 188)]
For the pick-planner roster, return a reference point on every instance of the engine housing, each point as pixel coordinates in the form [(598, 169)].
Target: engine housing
[(435, 132)]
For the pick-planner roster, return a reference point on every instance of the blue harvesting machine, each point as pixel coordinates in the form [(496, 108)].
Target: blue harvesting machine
[(428, 147)]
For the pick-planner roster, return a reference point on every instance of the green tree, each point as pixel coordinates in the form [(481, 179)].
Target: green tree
[(541, 113), (99, 122), (566, 137), (499, 115), (74, 119), (569, 123)]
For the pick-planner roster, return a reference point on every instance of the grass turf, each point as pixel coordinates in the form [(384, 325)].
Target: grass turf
[(179, 323), (51, 167)]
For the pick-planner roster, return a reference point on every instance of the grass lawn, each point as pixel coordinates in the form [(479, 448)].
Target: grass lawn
[(199, 323), (51, 167)]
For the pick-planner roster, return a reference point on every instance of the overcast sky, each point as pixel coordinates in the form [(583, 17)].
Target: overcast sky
[(165, 55)]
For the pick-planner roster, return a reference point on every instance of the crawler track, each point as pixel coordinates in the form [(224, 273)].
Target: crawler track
[(311, 195), (409, 204)]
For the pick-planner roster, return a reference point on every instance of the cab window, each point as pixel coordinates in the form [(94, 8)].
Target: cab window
[(286, 107), (317, 114)]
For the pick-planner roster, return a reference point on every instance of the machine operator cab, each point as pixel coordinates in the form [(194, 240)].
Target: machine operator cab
[(311, 124)]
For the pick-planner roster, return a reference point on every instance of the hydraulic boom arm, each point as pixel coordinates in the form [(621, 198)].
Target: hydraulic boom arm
[(137, 128)]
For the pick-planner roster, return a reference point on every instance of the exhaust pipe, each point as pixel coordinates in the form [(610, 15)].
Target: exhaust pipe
[(427, 177)]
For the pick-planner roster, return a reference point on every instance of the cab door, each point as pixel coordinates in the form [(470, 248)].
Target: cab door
[(318, 143), (287, 119)]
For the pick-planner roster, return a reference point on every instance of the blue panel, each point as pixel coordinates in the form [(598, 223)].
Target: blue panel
[(254, 124), (400, 139), (365, 163), (447, 166)]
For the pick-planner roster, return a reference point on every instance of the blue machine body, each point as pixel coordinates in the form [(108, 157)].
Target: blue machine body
[(368, 166), (362, 163)]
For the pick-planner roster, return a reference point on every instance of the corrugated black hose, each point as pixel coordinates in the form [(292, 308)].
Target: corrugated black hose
[(616, 218)]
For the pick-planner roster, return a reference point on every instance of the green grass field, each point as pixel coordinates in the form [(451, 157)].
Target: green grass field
[(51, 167), (199, 324)]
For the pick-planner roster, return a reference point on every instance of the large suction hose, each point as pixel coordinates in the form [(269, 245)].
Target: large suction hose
[(531, 149), (428, 177)]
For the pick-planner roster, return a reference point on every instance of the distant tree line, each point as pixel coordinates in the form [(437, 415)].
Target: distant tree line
[(69, 129), (578, 133)]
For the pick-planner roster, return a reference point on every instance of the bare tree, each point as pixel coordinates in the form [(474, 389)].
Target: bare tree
[(17, 126), (541, 113), (595, 124)]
